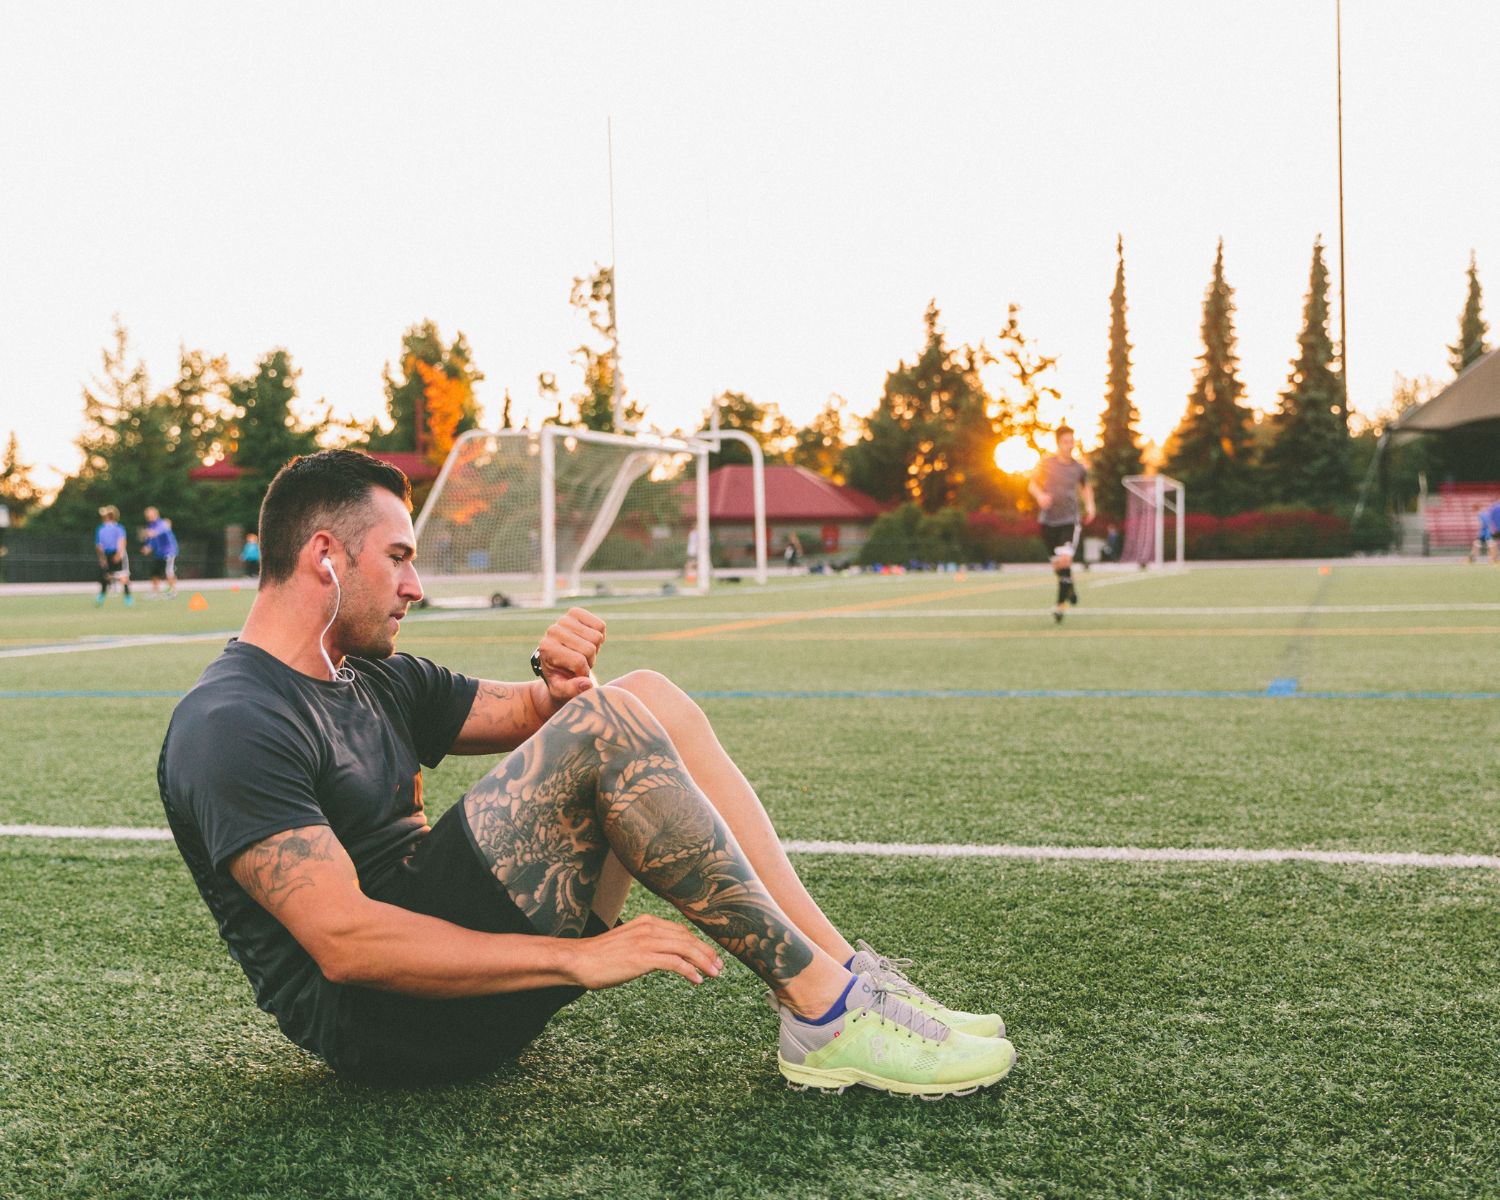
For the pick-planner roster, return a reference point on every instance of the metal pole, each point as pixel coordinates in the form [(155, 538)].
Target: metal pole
[(705, 561), (1181, 524), (1161, 520), (1338, 40), (549, 517)]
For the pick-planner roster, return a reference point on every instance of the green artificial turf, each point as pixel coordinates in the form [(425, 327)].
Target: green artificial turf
[(1184, 1029)]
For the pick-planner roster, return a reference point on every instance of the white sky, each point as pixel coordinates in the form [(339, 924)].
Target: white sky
[(792, 183)]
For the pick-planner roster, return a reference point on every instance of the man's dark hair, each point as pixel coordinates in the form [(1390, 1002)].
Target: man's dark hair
[(328, 490), (1064, 428)]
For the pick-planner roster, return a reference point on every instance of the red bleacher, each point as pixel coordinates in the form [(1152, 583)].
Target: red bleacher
[(1449, 520)]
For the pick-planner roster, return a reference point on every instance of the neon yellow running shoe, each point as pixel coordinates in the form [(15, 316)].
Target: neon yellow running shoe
[(880, 1041), (888, 973)]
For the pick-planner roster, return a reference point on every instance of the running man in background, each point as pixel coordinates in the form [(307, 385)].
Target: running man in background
[(114, 562), (1060, 483), (161, 546), (1488, 524)]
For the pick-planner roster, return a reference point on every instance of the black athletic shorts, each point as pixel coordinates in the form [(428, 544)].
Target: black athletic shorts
[(161, 565), (410, 1041), (1060, 535)]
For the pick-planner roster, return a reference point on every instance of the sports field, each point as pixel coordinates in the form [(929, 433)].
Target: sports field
[(1190, 1024)]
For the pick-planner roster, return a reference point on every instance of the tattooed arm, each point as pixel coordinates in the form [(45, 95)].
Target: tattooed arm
[(306, 880), (506, 714)]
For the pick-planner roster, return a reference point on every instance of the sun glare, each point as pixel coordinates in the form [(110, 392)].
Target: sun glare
[(1016, 456)]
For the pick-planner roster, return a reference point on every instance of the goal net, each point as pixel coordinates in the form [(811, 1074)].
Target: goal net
[(1148, 500), (537, 515)]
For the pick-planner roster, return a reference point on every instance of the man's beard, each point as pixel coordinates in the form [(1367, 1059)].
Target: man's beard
[(364, 638)]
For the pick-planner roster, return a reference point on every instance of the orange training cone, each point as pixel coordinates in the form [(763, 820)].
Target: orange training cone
[(196, 602)]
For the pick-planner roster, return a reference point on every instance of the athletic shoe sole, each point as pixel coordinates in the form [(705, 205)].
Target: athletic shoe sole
[(802, 1078)]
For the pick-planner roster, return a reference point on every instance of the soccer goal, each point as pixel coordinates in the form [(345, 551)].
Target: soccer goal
[(538, 515), (1148, 500)]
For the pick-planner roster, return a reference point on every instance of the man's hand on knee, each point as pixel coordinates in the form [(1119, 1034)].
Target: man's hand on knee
[(640, 946)]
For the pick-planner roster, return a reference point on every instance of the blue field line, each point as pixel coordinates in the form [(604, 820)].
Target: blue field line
[(1285, 689)]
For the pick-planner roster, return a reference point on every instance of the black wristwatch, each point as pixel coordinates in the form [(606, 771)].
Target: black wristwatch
[(536, 662)]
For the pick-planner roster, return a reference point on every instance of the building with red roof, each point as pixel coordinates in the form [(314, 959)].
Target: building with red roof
[(836, 518)]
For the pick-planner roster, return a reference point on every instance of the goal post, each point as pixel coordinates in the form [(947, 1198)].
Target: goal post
[(552, 512), (1148, 500)]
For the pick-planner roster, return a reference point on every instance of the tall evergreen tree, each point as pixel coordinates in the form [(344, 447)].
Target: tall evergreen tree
[(18, 492), (1210, 451), (266, 433), (139, 445), (932, 435), (1471, 326), (1119, 452), (1307, 461)]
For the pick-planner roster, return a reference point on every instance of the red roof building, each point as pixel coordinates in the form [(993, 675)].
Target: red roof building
[(799, 503)]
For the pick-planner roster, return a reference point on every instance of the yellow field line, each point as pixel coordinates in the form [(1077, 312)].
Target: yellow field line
[(812, 613)]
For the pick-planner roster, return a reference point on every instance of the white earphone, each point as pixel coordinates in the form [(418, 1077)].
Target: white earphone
[(338, 674)]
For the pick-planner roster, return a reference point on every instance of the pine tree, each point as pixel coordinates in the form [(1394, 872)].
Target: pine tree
[(1119, 453), (933, 434), (1308, 458), (1211, 449), (18, 492), (139, 445), (265, 432), (1471, 326)]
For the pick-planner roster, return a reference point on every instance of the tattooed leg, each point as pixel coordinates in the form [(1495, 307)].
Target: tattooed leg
[(605, 756), (730, 793)]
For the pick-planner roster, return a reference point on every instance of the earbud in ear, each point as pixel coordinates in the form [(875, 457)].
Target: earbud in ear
[(328, 566)]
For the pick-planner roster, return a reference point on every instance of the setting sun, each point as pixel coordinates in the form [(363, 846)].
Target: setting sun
[(1016, 456)]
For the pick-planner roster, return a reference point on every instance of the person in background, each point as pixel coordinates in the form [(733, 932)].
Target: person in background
[(1487, 520), (792, 552), (160, 546), (250, 556), (114, 561), (1058, 486)]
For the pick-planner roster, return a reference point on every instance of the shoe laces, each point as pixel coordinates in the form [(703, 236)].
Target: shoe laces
[(887, 1003), (892, 976)]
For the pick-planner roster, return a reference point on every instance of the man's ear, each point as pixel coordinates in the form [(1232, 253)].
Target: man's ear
[(320, 548)]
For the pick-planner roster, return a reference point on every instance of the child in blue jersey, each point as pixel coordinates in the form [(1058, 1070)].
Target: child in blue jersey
[(161, 546), (114, 562), (1485, 535)]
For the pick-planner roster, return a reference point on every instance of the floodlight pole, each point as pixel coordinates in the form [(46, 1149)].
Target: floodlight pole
[(1338, 43)]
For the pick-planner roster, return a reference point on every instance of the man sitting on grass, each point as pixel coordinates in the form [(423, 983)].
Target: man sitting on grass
[(408, 954)]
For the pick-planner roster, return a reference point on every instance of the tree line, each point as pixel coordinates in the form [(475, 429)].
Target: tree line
[(929, 439)]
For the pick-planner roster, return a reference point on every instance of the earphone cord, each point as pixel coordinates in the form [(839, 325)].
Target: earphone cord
[(337, 674)]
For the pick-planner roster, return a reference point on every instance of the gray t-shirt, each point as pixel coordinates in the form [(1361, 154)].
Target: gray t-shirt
[(257, 748), (1061, 478)]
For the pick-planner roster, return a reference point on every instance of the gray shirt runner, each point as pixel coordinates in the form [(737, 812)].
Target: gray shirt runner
[(1061, 478)]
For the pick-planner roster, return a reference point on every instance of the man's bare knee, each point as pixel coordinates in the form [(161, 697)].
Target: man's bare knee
[(660, 694)]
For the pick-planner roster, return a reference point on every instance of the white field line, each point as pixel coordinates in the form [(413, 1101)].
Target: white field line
[(123, 642), (1488, 862), (928, 614)]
